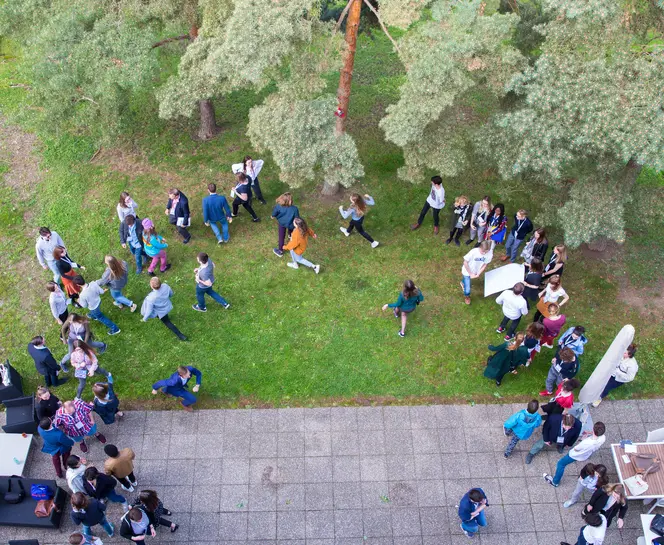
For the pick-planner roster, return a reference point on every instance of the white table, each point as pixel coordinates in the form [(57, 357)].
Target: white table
[(14, 446), (647, 532)]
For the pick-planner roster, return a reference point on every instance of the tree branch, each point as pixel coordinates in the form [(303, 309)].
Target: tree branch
[(343, 15), (169, 40), (89, 100), (20, 86), (382, 25)]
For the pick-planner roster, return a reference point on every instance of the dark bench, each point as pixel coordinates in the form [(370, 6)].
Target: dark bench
[(23, 514)]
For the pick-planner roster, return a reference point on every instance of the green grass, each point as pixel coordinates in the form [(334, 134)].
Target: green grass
[(292, 337)]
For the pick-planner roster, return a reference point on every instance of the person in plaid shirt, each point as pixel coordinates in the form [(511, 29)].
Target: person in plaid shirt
[(75, 419)]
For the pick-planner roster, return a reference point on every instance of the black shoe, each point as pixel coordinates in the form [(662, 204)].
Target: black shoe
[(477, 245), (456, 241), (62, 381), (262, 201), (182, 337), (168, 266), (151, 273), (175, 528), (448, 241), (256, 219), (186, 241), (560, 449), (469, 242)]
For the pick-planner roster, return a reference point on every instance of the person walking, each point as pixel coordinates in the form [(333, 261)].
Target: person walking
[(478, 220), (561, 430), (57, 302), (47, 241), (284, 212), (45, 362), (242, 194), (522, 226), (508, 356), (89, 512), (357, 212), (120, 464), (136, 525), (579, 453), (471, 511), (251, 169), (624, 373), (593, 532), (435, 202), (56, 444), (177, 385), (460, 219), (409, 298), (150, 502), (131, 237), (177, 210), (514, 307), (106, 404), (609, 500), (66, 267), (90, 298), (565, 365), (116, 277), (102, 487), (216, 211), (521, 425), (77, 327), (76, 467), (155, 247), (474, 264), (46, 403), (76, 420), (591, 478), (534, 333), (298, 245), (157, 304), (204, 275), (85, 364)]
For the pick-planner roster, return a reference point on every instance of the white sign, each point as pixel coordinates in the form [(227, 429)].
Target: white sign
[(502, 278)]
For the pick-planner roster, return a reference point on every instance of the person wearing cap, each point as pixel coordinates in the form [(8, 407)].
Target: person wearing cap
[(155, 247)]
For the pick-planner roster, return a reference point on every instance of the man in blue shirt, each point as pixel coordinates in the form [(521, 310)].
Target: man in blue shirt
[(131, 235), (216, 210), (176, 385), (471, 511)]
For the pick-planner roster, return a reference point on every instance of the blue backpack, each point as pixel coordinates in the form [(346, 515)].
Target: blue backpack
[(40, 492)]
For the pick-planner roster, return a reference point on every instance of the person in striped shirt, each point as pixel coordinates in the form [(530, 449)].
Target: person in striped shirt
[(76, 420)]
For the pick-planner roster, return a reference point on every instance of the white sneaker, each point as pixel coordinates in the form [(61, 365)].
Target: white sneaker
[(133, 308), (293, 265), (374, 244), (127, 488), (596, 403), (119, 305), (568, 503), (316, 269), (344, 231)]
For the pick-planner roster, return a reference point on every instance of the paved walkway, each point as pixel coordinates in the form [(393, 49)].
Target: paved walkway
[(350, 476)]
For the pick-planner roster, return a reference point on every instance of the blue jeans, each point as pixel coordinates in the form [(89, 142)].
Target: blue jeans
[(119, 298), (104, 523), (300, 260), (224, 229), (581, 540), (54, 270), (560, 468), (200, 296), (98, 315), (139, 256), (473, 525), (512, 247), (466, 285), (513, 442), (115, 497)]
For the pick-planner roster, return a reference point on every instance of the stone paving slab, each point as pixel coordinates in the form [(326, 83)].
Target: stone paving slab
[(349, 475)]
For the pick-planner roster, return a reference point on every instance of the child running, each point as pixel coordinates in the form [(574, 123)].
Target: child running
[(406, 303), (357, 211), (284, 212), (298, 245), (155, 246)]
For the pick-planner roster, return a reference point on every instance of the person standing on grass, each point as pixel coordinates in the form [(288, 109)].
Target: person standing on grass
[(508, 356), (624, 373), (120, 464), (89, 512), (157, 304), (534, 333), (474, 264), (149, 501), (177, 385), (131, 235), (556, 264), (90, 298), (102, 487), (357, 212), (298, 245), (106, 403), (565, 365), (435, 202), (478, 220), (155, 247), (574, 339), (251, 169), (76, 420), (521, 425), (535, 248), (471, 511), (579, 453), (593, 532), (57, 302), (591, 478), (552, 293), (552, 324), (460, 219), (77, 327), (47, 242), (126, 207), (177, 210), (216, 211), (204, 274), (44, 361), (46, 403), (514, 307), (116, 275), (532, 281), (285, 213), (84, 362), (522, 226), (242, 194), (561, 430), (56, 443), (66, 267), (496, 225), (406, 303)]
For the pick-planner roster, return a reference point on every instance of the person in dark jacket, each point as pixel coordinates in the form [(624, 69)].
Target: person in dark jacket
[(106, 403), (176, 385), (45, 362), (508, 356), (609, 500), (152, 505), (406, 303), (522, 226), (471, 511), (102, 487), (459, 219), (136, 524), (536, 248), (177, 210), (564, 365), (131, 236), (216, 210), (89, 512), (46, 403), (560, 430), (56, 443)]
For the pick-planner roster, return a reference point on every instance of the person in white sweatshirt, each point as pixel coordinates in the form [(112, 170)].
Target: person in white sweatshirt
[(47, 242), (593, 532), (514, 307), (76, 466), (624, 373), (579, 453), (57, 300), (435, 201)]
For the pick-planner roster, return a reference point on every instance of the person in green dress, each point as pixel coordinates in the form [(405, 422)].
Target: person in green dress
[(508, 356)]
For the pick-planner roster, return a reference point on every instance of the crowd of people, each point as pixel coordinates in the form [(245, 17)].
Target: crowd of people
[(63, 424)]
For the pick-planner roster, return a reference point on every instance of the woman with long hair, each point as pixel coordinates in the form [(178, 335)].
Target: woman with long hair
[(532, 341), (251, 169), (532, 281), (77, 327), (149, 500), (84, 361), (116, 276), (552, 293), (496, 225), (536, 247), (357, 211), (155, 247), (591, 478), (284, 213), (66, 266), (508, 356), (406, 303), (552, 323), (556, 264), (126, 207), (479, 219), (609, 500), (298, 245), (460, 219), (46, 403)]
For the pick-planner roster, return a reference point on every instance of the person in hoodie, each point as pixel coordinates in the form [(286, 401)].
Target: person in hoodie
[(624, 373), (435, 202), (216, 211), (56, 443), (158, 304), (565, 365), (560, 430), (520, 425), (574, 339), (76, 467), (46, 243), (176, 385), (514, 307), (522, 226), (89, 512)]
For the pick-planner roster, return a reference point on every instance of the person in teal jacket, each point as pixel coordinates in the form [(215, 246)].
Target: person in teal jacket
[(155, 247), (521, 425), (407, 302), (56, 443)]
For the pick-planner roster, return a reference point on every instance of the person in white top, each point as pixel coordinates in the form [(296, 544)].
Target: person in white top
[(126, 207), (593, 532), (251, 169), (435, 201), (474, 264), (478, 220), (58, 302), (624, 373), (579, 453), (47, 242), (514, 307), (552, 293)]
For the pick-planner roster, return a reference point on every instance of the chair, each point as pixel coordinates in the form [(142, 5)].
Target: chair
[(21, 415), (14, 386), (655, 436), (658, 503)]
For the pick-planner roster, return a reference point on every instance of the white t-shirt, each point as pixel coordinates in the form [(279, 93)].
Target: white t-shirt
[(595, 534), (584, 450), (514, 306), (551, 296), (436, 198), (476, 260)]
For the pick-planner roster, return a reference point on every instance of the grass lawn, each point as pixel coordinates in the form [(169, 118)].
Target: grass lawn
[(291, 337)]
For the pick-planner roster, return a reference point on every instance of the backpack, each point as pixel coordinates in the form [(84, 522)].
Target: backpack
[(41, 492)]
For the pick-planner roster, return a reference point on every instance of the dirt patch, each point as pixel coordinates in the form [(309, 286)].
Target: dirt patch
[(609, 252), (17, 149), (648, 302), (133, 165)]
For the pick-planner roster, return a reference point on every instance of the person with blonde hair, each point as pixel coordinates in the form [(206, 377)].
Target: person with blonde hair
[(157, 304), (460, 219), (284, 212), (556, 264), (522, 226), (508, 356), (357, 212), (553, 323), (609, 500), (552, 293), (479, 219), (116, 277)]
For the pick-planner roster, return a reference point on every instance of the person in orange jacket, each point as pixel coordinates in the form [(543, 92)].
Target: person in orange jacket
[(298, 244)]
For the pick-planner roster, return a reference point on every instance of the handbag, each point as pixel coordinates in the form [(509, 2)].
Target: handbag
[(636, 485), (44, 508), (645, 463), (41, 492), (14, 497), (657, 524)]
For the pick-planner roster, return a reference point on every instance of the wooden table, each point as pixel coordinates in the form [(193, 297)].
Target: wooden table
[(14, 446), (655, 480), (647, 532)]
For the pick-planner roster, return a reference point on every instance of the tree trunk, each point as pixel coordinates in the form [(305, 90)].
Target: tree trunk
[(208, 128), (346, 76), (329, 188)]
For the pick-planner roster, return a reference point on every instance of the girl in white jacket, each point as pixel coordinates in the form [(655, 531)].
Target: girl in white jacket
[(624, 373), (251, 169)]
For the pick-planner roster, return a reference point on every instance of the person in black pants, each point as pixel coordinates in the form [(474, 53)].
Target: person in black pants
[(243, 196), (600, 500), (44, 361), (150, 502), (177, 210)]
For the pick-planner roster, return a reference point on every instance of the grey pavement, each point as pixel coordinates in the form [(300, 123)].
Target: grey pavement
[(349, 475)]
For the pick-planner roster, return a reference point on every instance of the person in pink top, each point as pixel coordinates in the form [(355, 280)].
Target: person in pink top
[(75, 419), (84, 361), (552, 325)]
